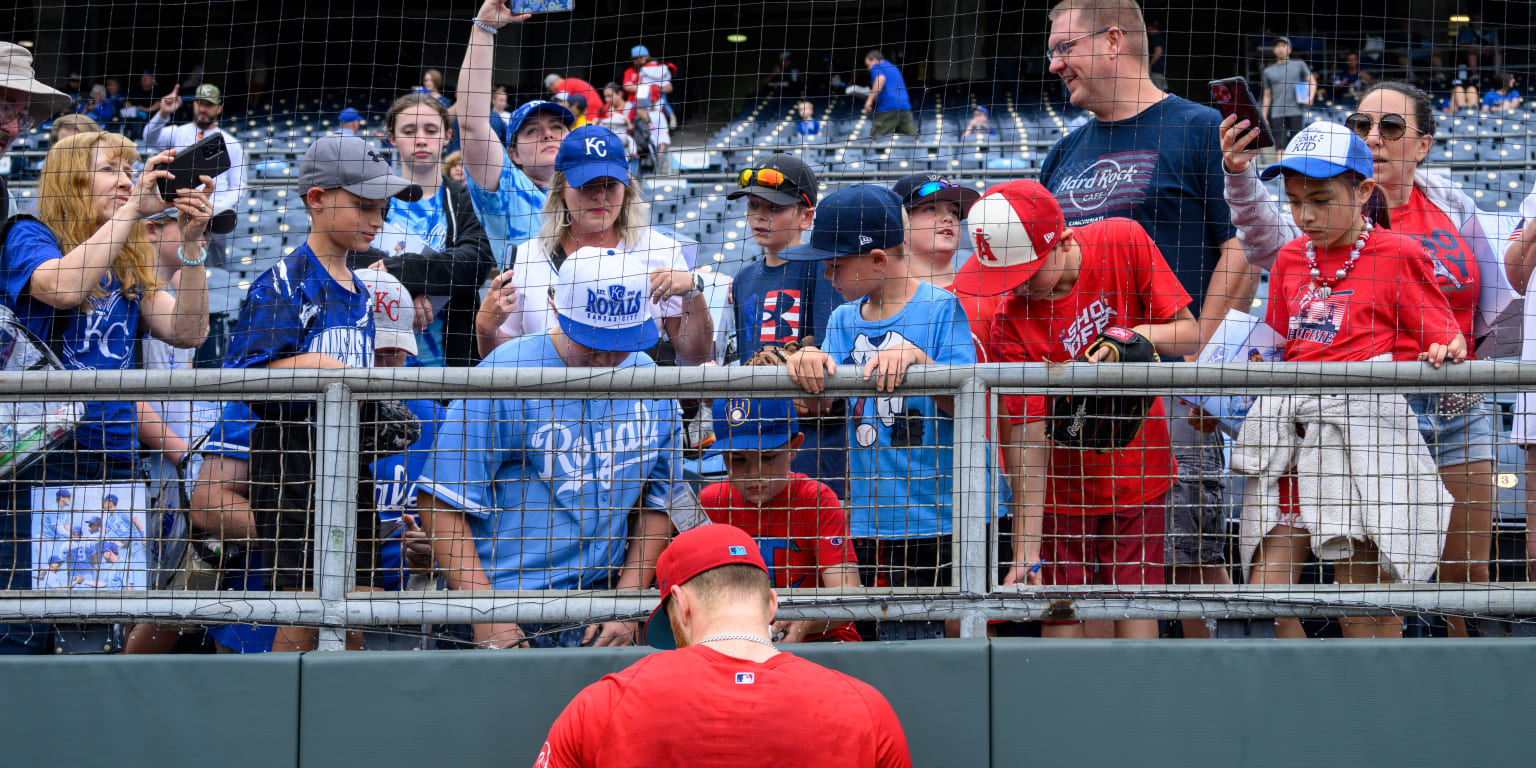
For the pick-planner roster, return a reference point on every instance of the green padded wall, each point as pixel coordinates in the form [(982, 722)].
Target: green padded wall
[(1262, 703), (150, 711)]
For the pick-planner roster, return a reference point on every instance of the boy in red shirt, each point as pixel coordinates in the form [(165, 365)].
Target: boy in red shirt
[(798, 522), (1081, 511)]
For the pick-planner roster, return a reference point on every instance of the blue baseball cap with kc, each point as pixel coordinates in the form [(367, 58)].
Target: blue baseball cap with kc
[(855, 219), (537, 107), (1324, 150), (592, 152), (743, 424), (602, 301)]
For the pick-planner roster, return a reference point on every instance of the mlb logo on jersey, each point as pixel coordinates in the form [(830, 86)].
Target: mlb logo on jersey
[(745, 678)]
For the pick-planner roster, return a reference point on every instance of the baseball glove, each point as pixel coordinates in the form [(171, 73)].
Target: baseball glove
[(389, 427), (1104, 423)]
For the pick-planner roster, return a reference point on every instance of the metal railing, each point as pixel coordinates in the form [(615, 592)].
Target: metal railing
[(333, 606)]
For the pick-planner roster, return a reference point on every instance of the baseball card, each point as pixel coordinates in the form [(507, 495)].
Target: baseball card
[(89, 536), (1240, 338)]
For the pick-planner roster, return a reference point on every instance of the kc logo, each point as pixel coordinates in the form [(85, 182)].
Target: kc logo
[(596, 146), (383, 302)]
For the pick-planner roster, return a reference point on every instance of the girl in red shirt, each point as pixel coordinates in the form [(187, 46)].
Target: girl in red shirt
[(1346, 290)]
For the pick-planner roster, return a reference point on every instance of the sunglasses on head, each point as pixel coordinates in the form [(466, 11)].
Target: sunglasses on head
[(1392, 127), (929, 188), (762, 177)]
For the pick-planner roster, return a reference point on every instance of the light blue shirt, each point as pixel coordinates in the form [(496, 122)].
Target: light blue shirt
[(900, 456), (510, 215), (420, 227), (547, 485)]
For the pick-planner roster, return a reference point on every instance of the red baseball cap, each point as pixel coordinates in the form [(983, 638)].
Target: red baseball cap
[(693, 552), (1013, 226)]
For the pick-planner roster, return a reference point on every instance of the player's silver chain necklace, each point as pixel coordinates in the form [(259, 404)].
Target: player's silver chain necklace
[(1325, 289), (737, 636)]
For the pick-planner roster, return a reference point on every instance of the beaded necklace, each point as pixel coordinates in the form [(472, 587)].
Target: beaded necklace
[(1322, 289)]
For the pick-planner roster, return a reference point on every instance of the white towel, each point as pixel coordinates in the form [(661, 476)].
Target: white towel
[(1363, 474)]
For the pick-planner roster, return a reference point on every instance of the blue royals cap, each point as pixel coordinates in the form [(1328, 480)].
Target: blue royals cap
[(743, 424), (93, 520), (112, 497), (537, 107), (110, 546), (75, 531), (63, 494), (638, 51), (592, 152), (1324, 150), (349, 115), (854, 219)]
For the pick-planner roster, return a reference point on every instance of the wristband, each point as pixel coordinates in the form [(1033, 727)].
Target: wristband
[(189, 262), (486, 26)]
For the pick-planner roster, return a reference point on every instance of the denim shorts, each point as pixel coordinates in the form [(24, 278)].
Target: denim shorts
[(1456, 440)]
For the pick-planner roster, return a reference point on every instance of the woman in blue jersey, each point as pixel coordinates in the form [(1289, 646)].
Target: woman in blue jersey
[(435, 246), (81, 274)]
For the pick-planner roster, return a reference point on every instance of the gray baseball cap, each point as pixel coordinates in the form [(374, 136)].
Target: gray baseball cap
[(349, 163)]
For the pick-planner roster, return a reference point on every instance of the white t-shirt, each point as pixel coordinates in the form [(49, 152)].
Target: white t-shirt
[(535, 277), (158, 355)]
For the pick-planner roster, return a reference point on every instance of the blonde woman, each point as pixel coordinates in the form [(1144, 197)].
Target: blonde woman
[(82, 275), (594, 203)]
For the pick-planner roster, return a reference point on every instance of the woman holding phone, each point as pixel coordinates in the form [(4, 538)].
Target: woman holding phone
[(1397, 122), (81, 273)]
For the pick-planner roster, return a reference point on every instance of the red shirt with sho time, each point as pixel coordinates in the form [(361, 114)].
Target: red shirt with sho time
[(700, 708), (801, 533), (1388, 303), (1455, 266), (1123, 280)]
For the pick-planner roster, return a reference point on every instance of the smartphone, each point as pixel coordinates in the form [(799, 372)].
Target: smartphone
[(209, 157), (1233, 97), (541, 6)]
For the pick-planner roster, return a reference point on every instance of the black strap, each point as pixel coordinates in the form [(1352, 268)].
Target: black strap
[(55, 342)]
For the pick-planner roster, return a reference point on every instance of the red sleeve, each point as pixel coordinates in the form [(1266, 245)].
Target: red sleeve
[(578, 731), (833, 547), (1005, 346), (1423, 312), (890, 740), (1159, 287), (1277, 311)]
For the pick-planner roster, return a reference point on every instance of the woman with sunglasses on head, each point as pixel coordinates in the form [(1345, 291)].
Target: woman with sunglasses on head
[(1397, 122)]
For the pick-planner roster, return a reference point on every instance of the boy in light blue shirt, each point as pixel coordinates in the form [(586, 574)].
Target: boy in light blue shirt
[(900, 448), (544, 488)]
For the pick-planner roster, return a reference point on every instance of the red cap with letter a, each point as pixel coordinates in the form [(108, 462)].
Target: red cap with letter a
[(693, 552), (1012, 227)]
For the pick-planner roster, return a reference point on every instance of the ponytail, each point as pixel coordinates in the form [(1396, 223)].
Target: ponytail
[(1376, 209)]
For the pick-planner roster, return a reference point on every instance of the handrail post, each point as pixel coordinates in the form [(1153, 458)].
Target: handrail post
[(336, 460), (973, 506)]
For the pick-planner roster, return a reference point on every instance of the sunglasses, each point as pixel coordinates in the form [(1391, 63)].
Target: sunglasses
[(762, 177), (1392, 127), (928, 188)]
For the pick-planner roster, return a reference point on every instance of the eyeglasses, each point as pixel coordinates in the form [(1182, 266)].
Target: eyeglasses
[(762, 177), (1064, 47), (1392, 127), (929, 188), (19, 112)]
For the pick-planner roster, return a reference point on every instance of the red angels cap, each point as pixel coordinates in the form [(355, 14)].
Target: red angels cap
[(693, 552), (1013, 226)]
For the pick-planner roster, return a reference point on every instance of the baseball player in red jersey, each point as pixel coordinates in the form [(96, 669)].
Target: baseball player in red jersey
[(726, 697)]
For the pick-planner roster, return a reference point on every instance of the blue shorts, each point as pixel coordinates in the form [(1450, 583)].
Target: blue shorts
[(1456, 440), (231, 436)]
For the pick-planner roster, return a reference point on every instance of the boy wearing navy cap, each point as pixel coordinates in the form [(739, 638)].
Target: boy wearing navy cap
[(779, 303), (798, 523), (892, 321)]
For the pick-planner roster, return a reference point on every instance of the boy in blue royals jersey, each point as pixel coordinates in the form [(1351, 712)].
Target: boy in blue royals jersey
[(537, 493), (311, 311), (900, 452)]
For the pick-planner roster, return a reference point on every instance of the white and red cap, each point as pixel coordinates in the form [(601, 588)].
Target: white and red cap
[(394, 314), (1012, 227)]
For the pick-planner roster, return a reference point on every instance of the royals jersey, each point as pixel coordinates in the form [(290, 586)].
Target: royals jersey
[(1122, 281), (1389, 303), (547, 485), (394, 488), (296, 307), (901, 454)]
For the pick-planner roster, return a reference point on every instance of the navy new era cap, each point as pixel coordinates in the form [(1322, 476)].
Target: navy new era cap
[(854, 219), (744, 424)]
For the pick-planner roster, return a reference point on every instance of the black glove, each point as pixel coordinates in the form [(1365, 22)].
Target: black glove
[(389, 427), (1104, 423)]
